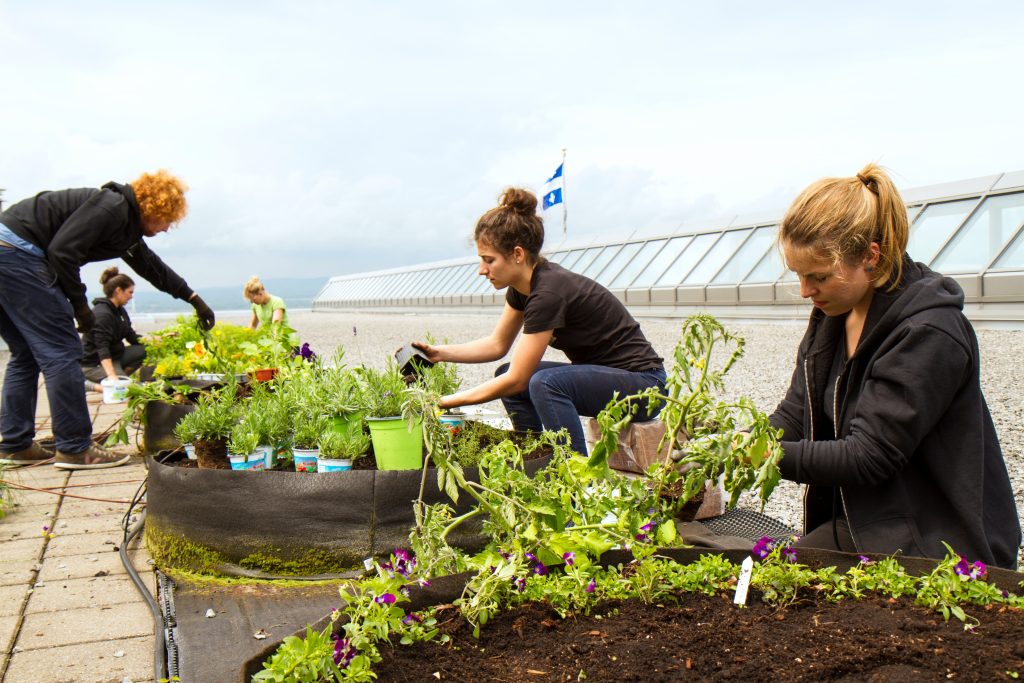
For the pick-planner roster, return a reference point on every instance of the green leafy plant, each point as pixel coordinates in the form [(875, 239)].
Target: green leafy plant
[(385, 394), (348, 446), (309, 428), (303, 660), (243, 440)]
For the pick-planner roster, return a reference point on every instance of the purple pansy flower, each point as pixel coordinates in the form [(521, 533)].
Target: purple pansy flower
[(385, 599), (540, 569), (305, 352), (343, 652), (763, 547), (412, 618), (591, 586), (971, 571), (519, 583), (789, 554), (865, 560), (569, 558)]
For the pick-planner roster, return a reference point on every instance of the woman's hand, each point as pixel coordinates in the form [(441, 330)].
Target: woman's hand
[(433, 353)]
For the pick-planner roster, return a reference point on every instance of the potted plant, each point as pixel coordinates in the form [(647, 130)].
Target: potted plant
[(338, 451), (244, 452), (343, 394), (395, 426), (215, 415), (185, 431), (308, 428)]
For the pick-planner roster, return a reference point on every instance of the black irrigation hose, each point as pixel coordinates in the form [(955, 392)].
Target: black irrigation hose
[(160, 649)]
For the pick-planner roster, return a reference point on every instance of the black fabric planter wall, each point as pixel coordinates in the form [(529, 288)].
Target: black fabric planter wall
[(286, 524), (160, 420)]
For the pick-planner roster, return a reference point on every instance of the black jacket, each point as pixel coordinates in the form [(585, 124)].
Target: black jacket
[(111, 327), (916, 460), (82, 225)]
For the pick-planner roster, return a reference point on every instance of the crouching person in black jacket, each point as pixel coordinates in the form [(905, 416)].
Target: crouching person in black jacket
[(885, 420), (105, 355), (44, 241)]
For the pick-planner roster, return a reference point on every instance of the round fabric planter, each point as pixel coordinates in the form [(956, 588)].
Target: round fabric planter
[(203, 520)]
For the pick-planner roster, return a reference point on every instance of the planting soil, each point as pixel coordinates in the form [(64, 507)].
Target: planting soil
[(702, 638)]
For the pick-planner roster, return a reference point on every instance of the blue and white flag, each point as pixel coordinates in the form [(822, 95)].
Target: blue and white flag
[(553, 189)]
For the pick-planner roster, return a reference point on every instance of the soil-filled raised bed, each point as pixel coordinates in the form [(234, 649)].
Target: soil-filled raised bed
[(695, 637), (276, 524)]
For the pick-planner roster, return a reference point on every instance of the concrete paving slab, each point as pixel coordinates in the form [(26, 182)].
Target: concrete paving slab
[(21, 549), (7, 626), (95, 625), (28, 523), (135, 472), (91, 663), (11, 598), (76, 507), (87, 566), (83, 544), (105, 523), (53, 596), (49, 505), (36, 498), (15, 573), (41, 475)]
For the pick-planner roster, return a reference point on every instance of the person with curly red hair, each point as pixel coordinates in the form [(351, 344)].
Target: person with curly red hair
[(44, 241)]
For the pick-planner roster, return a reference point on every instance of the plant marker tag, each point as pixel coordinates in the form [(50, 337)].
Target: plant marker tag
[(746, 569), (368, 563)]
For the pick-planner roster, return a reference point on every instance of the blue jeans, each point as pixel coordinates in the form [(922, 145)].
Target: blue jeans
[(37, 322), (560, 392)]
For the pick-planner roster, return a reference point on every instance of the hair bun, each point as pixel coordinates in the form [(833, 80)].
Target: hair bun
[(518, 200), (108, 273)]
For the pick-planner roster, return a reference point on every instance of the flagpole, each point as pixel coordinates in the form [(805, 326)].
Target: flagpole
[(565, 211)]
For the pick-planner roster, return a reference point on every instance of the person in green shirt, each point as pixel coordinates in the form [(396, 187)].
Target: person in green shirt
[(266, 308)]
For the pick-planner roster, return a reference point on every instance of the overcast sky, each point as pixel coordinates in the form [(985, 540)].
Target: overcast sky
[(325, 138)]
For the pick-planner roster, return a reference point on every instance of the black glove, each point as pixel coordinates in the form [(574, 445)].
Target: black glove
[(84, 317), (204, 312)]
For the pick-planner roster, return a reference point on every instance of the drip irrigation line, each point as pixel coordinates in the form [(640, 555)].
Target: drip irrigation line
[(23, 487), (159, 623)]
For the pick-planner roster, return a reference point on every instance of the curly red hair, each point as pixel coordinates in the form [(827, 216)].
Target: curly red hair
[(161, 196)]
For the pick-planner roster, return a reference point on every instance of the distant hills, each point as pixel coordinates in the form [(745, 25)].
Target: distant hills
[(296, 292)]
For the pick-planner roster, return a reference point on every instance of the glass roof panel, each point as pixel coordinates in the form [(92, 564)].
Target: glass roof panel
[(597, 266), (934, 226), (1013, 257), (688, 259), (465, 283), (768, 269), (747, 256), (984, 234), (636, 264), (913, 211), (557, 257), (398, 281), (387, 285), (429, 285), (411, 285), (586, 259), (618, 263), (650, 274)]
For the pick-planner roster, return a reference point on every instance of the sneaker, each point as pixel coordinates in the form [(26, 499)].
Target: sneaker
[(93, 458), (33, 455)]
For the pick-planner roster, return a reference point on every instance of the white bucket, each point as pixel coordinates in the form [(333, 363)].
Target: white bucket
[(115, 390)]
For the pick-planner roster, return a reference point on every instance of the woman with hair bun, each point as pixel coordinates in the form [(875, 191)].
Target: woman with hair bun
[(553, 307), (105, 355), (266, 308), (885, 420)]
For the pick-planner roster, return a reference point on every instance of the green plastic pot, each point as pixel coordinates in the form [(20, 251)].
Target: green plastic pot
[(395, 446), (348, 423)]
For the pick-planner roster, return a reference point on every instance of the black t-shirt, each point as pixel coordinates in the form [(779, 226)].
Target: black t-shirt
[(590, 325)]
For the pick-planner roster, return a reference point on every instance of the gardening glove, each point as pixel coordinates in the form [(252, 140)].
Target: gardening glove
[(205, 313), (84, 317)]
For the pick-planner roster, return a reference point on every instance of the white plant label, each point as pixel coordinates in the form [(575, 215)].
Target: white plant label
[(368, 563), (746, 569)]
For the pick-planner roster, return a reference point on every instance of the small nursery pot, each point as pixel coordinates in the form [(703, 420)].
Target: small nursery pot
[(305, 459), (257, 460), (190, 451), (332, 464), (453, 421), (395, 446), (264, 374), (268, 455)]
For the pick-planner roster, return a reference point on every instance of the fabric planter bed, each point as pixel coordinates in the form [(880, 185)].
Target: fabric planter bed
[(280, 524)]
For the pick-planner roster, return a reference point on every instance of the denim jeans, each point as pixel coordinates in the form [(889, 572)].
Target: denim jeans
[(37, 322), (128, 363), (560, 392)]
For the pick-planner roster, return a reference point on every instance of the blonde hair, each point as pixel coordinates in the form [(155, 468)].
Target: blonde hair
[(252, 288), (161, 196), (841, 217)]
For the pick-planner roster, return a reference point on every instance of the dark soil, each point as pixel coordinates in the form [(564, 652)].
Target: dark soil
[(710, 639)]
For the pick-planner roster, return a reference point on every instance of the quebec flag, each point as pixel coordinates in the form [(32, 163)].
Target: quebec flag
[(553, 189)]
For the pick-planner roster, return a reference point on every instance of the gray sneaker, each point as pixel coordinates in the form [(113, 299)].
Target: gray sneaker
[(33, 455), (93, 458)]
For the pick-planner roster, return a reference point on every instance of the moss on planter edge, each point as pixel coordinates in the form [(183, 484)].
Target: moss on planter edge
[(172, 550)]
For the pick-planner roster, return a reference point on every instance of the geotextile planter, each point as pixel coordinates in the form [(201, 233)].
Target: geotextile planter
[(160, 419), (310, 526)]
